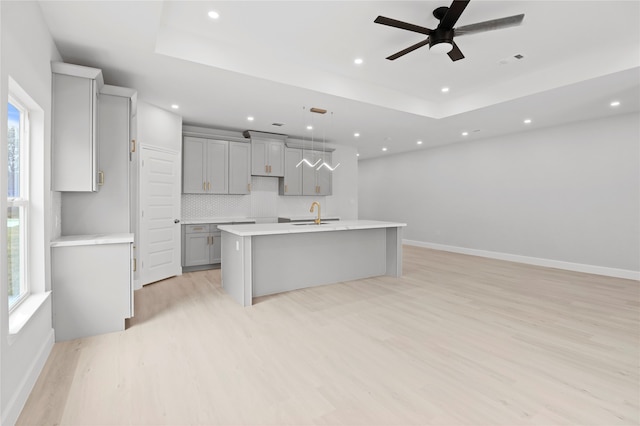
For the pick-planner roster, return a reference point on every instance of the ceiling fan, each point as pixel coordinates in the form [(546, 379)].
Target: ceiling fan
[(441, 39)]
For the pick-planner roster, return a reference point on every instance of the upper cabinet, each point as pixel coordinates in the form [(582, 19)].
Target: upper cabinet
[(205, 166), (212, 166), (75, 160), (267, 153), (291, 184), (314, 181), (239, 168)]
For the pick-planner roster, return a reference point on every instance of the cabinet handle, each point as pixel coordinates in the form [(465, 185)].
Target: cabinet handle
[(249, 187), (100, 178), (135, 264), (285, 188), (269, 168), (204, 186), (266, 168), (208, 240), (199, 228), (208, 186), (133, 147)]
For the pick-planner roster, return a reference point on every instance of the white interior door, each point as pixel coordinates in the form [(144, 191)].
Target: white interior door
[(159, 215)]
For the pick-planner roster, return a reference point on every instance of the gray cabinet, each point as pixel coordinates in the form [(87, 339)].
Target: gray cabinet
[(267, 157), (291, 184), (239, 168), (75, 163), (201, 245), (109, 211), (205, 166), (92, 287), (314, 181)]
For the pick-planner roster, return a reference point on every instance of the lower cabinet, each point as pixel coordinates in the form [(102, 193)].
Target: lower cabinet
[(92, 289), (201, 245)]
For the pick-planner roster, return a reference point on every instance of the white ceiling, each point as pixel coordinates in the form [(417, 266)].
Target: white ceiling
[(269, 59)]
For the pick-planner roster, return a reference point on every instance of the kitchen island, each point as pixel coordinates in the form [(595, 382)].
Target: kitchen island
[(269, 258)]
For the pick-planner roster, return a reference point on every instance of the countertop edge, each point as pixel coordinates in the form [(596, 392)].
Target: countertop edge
[(92, 239)]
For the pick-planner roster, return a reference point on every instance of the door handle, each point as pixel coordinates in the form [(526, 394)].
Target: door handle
[(176, 220)]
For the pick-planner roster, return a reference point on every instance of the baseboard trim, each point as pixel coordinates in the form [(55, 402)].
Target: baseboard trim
[(549, 263), (16, 403)]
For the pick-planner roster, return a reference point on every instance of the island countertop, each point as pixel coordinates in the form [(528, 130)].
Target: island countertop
[(292, 228)]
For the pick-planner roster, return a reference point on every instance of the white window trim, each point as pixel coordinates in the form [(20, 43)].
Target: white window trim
[(23, 201), (38, 182)]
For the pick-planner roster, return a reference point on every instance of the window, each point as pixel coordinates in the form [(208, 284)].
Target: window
[(18, 201)]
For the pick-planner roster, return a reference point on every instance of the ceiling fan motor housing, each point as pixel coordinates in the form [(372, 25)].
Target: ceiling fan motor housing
[(441, 37)]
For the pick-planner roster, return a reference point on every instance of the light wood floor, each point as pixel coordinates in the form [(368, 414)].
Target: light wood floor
[(457, 340)]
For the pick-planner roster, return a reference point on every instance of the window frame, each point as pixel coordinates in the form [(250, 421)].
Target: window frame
[(22, 202)]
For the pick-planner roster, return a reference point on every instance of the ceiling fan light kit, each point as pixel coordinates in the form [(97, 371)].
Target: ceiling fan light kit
[(440, 40)]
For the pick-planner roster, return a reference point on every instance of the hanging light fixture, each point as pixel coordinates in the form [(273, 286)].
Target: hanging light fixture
[(304, 160), (324, 163)]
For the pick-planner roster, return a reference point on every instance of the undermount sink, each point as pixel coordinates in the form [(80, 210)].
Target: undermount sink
[(310, 223)]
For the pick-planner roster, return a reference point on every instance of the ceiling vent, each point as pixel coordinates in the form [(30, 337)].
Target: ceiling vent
[(277, 124), (510, 59)]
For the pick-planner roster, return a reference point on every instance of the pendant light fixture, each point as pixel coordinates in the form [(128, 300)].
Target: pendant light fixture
[(304, 160), (321, 161)]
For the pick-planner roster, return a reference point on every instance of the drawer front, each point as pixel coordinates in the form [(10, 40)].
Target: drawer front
[(197, 229)]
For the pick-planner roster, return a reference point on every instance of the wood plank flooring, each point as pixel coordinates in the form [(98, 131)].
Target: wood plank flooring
[(458, 340)]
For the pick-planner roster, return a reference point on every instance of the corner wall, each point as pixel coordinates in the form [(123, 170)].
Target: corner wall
[(26, 52), (565, 196)]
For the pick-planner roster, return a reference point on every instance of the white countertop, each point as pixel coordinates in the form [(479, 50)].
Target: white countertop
[(216, 220), (291, 228), (92, 239)]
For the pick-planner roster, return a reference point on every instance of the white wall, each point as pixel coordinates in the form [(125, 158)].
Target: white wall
[(158, 128), (26, 52), (570, 194), (264, 201)]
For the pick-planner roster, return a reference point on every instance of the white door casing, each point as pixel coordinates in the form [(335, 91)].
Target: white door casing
[(159, 215)]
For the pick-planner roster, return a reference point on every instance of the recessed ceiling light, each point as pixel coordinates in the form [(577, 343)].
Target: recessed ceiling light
[(357, 135), (615, 103), (384, 148), (309, 127), (527, 121), (357, 154), (465, 133), (213, 14), (358, 61), (175, 106), (419, 142), (250, 118), (444, 89)]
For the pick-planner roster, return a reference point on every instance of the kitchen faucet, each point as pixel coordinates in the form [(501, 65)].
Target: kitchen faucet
[(315, 203)]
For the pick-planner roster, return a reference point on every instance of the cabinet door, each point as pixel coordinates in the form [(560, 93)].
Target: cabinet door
[(194, 161), (239, 168), (217, 180), (309, 175), (276, 159), (292, 182), (74, 152), (314, 181), (259, 152), (215, 247), (324, 175), (196, 249)]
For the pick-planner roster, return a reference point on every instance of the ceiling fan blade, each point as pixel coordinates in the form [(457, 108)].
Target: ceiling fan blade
[(402, 25), (408, 50), (494, 24), (455, 54), (453, 14)]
